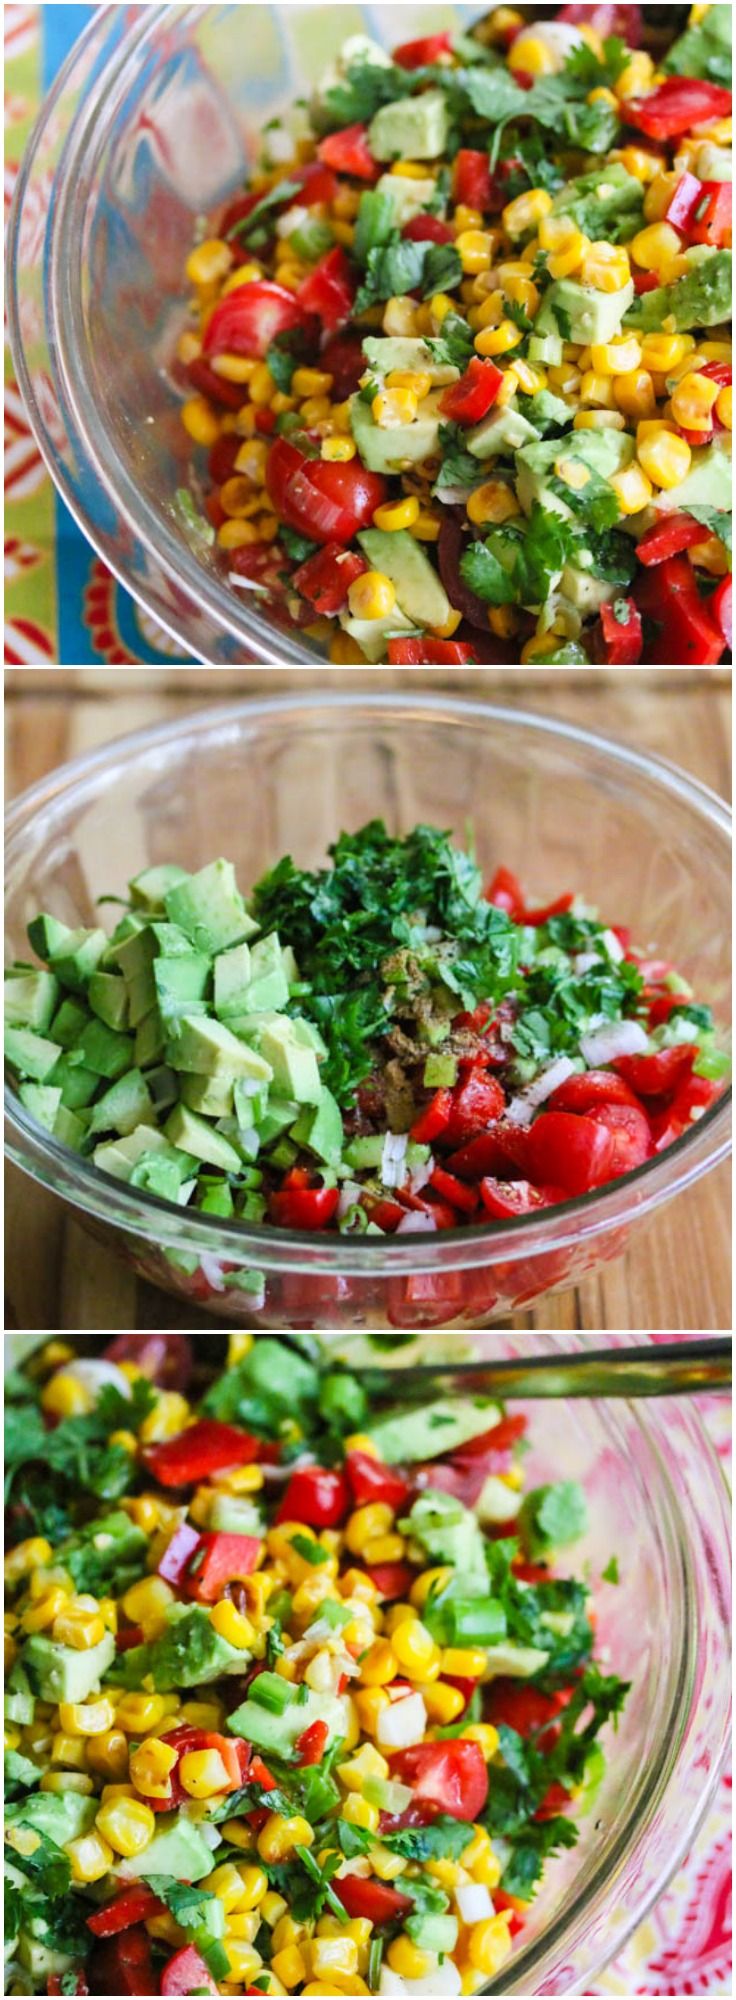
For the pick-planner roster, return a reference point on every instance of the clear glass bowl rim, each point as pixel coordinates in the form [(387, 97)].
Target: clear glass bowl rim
[(583, 1217)]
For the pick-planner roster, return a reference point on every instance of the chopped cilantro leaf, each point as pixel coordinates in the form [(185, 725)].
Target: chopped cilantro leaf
[(610, 1573)]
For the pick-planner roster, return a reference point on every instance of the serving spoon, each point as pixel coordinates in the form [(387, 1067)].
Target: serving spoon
[(674, 1368)]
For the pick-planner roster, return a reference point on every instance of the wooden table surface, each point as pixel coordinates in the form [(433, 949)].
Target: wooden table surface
[(676, 1273)]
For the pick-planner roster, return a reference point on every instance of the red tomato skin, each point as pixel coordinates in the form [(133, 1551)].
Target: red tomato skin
[(668, 535), (507, 1199), (329, 290), (348, 152), (430, 653), (303, 1208), (343, 358), (325, 578), (207, 1446), (471, 178), (247, 320), (413, 55), (477, 1101), (329, 503), (722, 607), (569, 1152), (506, 893), (370, 1480), (362, 1897), (316, 1495), (653, 1075), (392, 1580), (187, 1972), (207, 383), (620, 645), (630, 1133), (592, 1087), (428, 229), (451, 1775), (676, 105), (470, 399), (693, 1096)]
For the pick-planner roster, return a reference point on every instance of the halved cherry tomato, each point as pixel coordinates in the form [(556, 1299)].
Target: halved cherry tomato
[(505, 1147), (348, 152), (328, 290), (329, 502), (325, 577), (525, 1709), (569, 1152), (630, 1134), (428, 229), (434, 1120), (456, 1192), (247, 320), (430, 653), (507, 1199), (592, 1087), (466, 401), (303, 1208), (471, 178), (392, 1580), (721, 605), (676, 106), (371, 1480), (310, 1746), (428, 48), (316, 1495), (363, 1897), (558, 908), (688, 1104), (652, 1075), (187, 1972), (450, 1775), (477, 1101)]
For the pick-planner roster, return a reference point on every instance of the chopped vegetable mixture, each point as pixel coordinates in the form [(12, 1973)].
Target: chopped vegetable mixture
[(301, 1695), (460, 355)]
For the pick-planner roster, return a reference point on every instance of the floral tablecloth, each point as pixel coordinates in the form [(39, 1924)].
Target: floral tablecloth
[(62, 605)]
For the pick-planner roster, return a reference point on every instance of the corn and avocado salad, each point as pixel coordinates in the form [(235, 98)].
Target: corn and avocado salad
[(301, 1692), (458, 362), (383, 1045)]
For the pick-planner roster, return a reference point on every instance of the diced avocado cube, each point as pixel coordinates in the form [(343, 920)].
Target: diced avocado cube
[(209, 1048), (210, 908), (586, 591), (104, 1051), (440, 1072), (404, 445), (412, 128), (701, 297), (68, 1023), (218, 1200), (408, 196), (77, 1083), (163, 1084), (365, 1151), (321, 1129), (294, 1068), (519, 1662), (594, 199), (289, 963), (78, 958), (547, 348), (308, 1034), (41, 1962), (136, 952), (119, 1156), (373, 634), (603, 452), (189, 1653), (62, 1673), (141, 991), (437, 1428), (69, 1128), (108, 999), (278, 1733), (592, 316), (180, 984), (708, 481), (434, 1932), (46, 935), (42, 1100), (150, 1040), (401, 351), (211, 1096), (169, 939), (268, 986), (232, 976), (419, 591), (185, 1129), (148, 891), (278, 1117), (231, 1515), (20, 1703), (30, 1055), (178, 1848), (124, 1106), (502, 431), (130, 926), (30, 1001)]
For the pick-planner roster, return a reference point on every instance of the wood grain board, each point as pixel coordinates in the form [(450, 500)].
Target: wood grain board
[(676, 1273)]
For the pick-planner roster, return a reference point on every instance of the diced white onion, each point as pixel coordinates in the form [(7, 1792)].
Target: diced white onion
[(420, 1175), (584, 960), (620, 1038), (401, 1724), (211, 1269), (521, 1109), (417, 1221), (613, 946), (279, 146), (96, 1375), (393, 1159), (473, 1902), (245, 582), (292, 218), (350, 1192)]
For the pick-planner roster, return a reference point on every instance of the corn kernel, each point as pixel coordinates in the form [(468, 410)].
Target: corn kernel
[(337, 450), (137, 1713), (474, 250), (231, 1624), (399, 317), (379, 1666), (371, 595), (199, 420), (440, 305), (533, 56), (606, 267), (602, 96), (724, 406), (498, 339), (280, 1836), (443, 1703), (150, 1767), (67, 1781), (632, 488), (64, 1396), (38, 1616), (489, 1944), (652, 247), (503, 620), (211, 260), (384, 1549), (564, 242), (359, 1813), (316, 410), (636, 77), (484, 1734), (203, 1773), (32, 1554), (290, 1967), (616, 357), (634, 394), (426, 528), (410, 378), (92, 1718), (127, 1824), (367, 1522), (397, 514), (429, 1580), (243, 1959), (147, 1603), (665, 458), (406, 1959), (393, 408), (415, 1650), (108, 1753), (596, 389), (693, 400), (90, 1857)]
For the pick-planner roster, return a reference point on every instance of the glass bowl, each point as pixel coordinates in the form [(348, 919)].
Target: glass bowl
[(564, 808), (658, 1500), (153, 122)]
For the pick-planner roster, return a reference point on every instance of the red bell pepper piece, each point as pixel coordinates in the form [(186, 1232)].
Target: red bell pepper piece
[(434, 1120), (507, 1199), (325, 578), (363, 1897), (620, 639), (348, 152), (247, 320), (303, 1207), (688, 634), (676, 106), (329, 290), (428, 49), (466, 401), (430, 653), (456, 1192), (711, 222), (451, 1775), (593, 1087), (721, 605), (428, 229), (558, 908), (654, 1075), (221, 461), (175, 1558), (506, 892), (386, 1214), (371, 1480), (569, 1152), (132, 1906), (683, 203), (131, 1635), (526, 1709), (691, 1099), (718, 371), (205, 1447), (471, 178), (645, 281), (555, 1800), (310, 1746), (187, 1972), (225, 1559), (629, 1131), (669, 535), (477, 1101), (392, 1580), (123, 1965), (316, 1495)]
